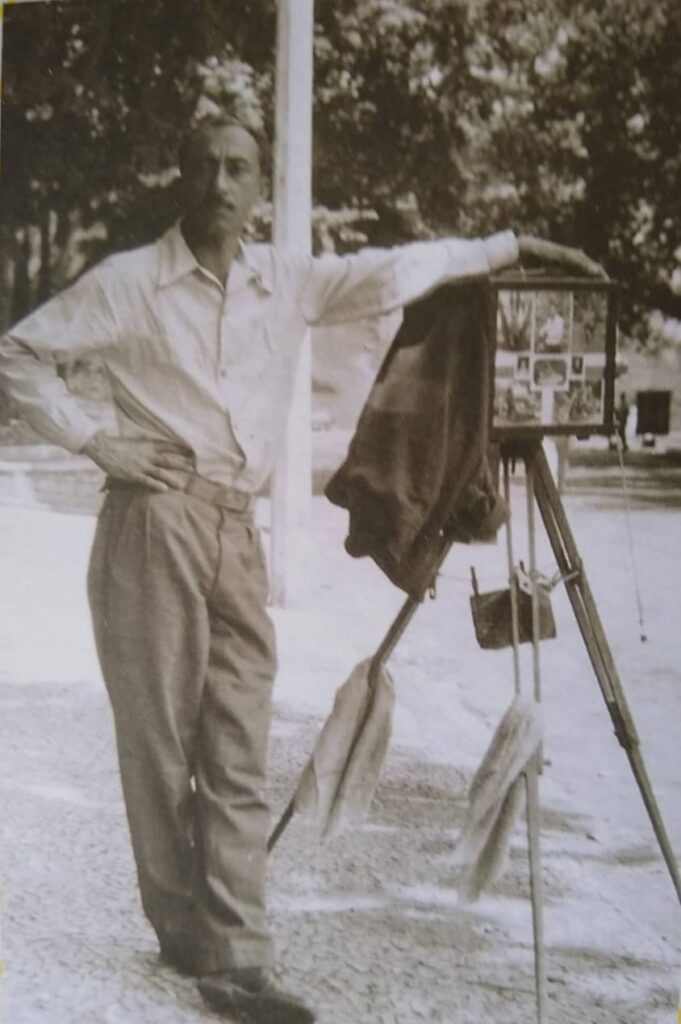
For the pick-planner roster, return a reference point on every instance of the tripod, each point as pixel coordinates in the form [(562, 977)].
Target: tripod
[(541, 489), (542, 492)]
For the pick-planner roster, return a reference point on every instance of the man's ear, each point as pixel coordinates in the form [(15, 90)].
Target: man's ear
[(264, 188)]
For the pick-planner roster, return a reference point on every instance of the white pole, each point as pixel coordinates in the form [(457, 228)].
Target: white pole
[(292, 478)]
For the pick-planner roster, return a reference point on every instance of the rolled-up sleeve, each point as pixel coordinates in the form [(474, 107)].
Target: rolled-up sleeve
[(339, 289), (78, 321)]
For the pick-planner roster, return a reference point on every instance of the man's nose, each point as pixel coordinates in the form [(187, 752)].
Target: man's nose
[(222, 181)]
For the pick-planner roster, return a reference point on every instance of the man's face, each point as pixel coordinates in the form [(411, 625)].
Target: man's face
[(220, 181)]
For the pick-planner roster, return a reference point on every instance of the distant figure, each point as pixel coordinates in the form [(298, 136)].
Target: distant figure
[(515, 322), (551, 332), (621, 417), (523, 367)]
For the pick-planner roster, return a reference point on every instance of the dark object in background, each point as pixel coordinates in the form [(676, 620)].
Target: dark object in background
[(653, 408)]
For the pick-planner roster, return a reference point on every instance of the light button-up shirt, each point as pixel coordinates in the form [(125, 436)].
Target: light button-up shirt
[(207, 366)]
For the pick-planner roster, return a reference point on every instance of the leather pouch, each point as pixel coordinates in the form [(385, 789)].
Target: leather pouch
[(492, 615)]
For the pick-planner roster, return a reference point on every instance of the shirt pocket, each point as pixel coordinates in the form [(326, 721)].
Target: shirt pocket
[(257, 327), (248, 348)]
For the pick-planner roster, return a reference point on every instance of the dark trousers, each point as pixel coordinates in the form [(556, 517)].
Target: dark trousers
[(178, 591)]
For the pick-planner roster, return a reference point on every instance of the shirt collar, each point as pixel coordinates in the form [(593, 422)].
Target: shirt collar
[(176, 260)]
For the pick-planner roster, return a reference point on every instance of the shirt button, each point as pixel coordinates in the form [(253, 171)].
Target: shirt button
[(223, 373)]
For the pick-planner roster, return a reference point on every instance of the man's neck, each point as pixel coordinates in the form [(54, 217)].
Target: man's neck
[(213, 254)]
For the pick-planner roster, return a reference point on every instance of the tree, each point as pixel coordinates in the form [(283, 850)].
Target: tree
[(558, 117), (583, 138), (91, 122)]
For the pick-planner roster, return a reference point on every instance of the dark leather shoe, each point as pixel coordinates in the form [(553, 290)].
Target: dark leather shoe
[(253, 994)]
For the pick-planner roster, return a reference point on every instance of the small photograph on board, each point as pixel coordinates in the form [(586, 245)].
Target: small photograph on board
[(514, 321), (594, 367), (577, 366), (582, 403), (522, 369), (550, 372), (552, 330), (589, 320), (515, 404)]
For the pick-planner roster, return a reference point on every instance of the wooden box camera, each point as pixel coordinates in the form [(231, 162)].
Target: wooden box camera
[(554, 356)]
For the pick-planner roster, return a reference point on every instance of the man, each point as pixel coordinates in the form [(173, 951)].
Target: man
[(200, 334), (552, 330), (621, 420)]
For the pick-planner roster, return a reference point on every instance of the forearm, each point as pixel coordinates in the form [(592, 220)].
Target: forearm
[(77, 322), (426, 266), (375, 282), (42, 398)]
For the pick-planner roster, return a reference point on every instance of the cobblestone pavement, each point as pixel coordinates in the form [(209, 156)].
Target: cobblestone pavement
[(367, 925)]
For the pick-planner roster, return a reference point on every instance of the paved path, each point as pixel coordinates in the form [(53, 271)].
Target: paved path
[(367, 925)]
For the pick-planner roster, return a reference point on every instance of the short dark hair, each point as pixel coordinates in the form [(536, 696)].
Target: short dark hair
[(220, 119)]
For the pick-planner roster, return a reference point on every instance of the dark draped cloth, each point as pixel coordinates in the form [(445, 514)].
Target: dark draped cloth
[(420, 471)]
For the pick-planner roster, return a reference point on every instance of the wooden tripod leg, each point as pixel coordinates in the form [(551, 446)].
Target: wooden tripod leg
[(533, 771), (588, 620), (536, 888), (532, 538), (512, 583)]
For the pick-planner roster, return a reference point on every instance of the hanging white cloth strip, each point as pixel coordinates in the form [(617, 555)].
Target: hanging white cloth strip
[(495, 798)]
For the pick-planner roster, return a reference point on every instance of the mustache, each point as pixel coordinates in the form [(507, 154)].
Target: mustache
[(221, 202)]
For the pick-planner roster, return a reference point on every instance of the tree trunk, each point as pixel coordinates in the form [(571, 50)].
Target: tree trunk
[(7, 247), (7, 260), (21, 299), (45, 273), (64, 257)]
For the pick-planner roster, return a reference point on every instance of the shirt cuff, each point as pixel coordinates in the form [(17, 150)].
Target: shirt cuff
[(78, 442), (69, 428), (501, 250)]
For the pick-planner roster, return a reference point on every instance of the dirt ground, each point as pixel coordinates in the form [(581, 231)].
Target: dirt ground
[(368, 925)]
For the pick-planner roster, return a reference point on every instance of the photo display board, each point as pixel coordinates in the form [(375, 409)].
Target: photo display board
[(554, 356)]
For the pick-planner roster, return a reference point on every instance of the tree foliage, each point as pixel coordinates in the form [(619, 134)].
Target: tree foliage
[(95, 96), (558, 117)]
